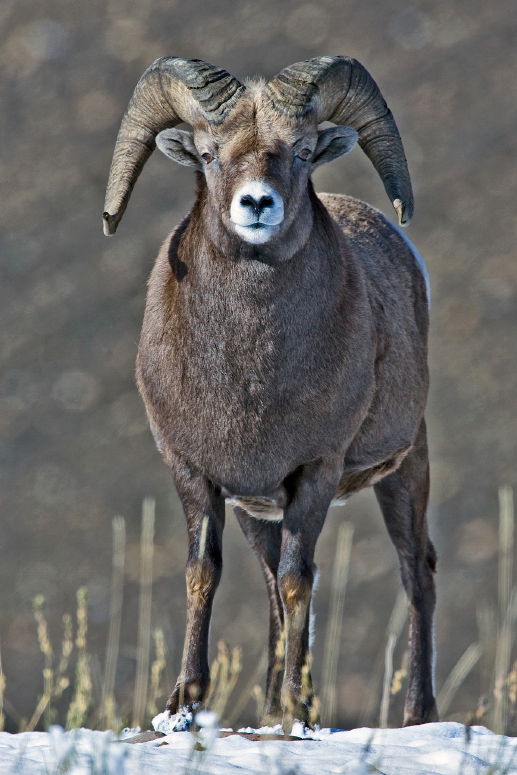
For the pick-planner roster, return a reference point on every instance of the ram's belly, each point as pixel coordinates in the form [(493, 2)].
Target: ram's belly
[(248, 447), (356, 476), (246, 454), (251, 459), (271, 506)]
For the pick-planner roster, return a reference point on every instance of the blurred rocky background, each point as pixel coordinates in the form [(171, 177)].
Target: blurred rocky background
[(75, 448)]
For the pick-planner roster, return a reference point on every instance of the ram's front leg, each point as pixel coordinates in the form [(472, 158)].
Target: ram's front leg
[(313, 488), (204, 511)]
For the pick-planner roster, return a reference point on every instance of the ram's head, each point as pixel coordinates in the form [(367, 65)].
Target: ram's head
[(256, 144)]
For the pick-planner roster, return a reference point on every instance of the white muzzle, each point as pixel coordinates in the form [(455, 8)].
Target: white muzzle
[(256, 211)]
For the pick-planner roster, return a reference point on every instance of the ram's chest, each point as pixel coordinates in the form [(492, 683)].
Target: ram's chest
[(222, 383), (228, 391), (229, 381)]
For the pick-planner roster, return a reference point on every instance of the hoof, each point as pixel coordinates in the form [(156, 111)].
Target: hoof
[(168, 722), (413, 718), (187, 694), (301, 729)]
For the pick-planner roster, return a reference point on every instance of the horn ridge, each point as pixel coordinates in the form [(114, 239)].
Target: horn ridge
[(199, 77), (341, 90), (170, 90)]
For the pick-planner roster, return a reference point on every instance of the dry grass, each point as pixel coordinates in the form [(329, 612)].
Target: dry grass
[(251, 689), (82, 697), (55, 679), (108, 718), (456, 677), (157, 671), (224, 673), (2, 694), (144, 611), (83, 707), (335, 622), (395, 626), (496, 624), (507, 609)]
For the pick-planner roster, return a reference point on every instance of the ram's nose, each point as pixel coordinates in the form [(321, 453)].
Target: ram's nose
[(257, 202), (257, 205)]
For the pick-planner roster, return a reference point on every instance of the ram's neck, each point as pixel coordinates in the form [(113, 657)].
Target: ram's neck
[(302, 232), (224, 295), (201, 300)]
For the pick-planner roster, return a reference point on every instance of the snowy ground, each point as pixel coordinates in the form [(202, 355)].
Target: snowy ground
[(432, 748)]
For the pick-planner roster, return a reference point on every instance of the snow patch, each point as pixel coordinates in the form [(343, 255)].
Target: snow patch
[(276, 730), (439, 748), (177, 722), (128, 732)]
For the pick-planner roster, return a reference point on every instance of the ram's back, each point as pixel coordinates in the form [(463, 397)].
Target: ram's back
[(397, 283)]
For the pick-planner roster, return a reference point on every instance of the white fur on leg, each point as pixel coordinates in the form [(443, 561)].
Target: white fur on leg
[(312, 613)]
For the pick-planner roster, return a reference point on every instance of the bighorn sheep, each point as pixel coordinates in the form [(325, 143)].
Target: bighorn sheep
[(282, 360)]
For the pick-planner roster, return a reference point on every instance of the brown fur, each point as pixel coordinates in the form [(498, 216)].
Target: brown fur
[(288, 373)]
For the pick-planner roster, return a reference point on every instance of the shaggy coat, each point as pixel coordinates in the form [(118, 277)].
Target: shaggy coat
[(283, 355)]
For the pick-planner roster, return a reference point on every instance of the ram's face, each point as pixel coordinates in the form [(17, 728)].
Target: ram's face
[(256, 165), (256, 175)]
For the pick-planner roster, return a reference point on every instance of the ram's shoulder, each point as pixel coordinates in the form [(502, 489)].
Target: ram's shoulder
[(355, 216), (373, 236)]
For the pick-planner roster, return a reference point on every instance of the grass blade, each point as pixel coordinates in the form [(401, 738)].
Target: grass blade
[(2, 694), (82, 698), (459, 672), (334, 627), (386, 684), (395, 626), (144, 611), (506, 533), (108, 719), (48, 673), (248, 691), (157, 669), (504, 639)]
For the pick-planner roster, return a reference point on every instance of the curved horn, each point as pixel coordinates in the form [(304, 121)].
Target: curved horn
[(341, 90), (171, 90)]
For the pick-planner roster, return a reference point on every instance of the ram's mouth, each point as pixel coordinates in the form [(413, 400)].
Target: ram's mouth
[(256, 233)]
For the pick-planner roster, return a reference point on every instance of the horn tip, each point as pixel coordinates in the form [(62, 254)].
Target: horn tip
[(403, 213), (109, 224)]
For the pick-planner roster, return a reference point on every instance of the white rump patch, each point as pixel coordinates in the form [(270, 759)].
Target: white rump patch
[(418, 258)]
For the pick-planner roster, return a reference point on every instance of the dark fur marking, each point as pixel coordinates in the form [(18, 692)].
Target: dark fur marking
[(178, 267)]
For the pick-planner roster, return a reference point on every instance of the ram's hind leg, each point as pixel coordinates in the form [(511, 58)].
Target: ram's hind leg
[(204, 511), (403, 498), (265, 538)]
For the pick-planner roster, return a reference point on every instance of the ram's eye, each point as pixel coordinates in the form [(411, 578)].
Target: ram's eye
[(305, 153), (207, 157)]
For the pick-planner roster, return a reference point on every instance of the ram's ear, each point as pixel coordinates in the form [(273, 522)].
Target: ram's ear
[(178, 145), (332, 143)]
